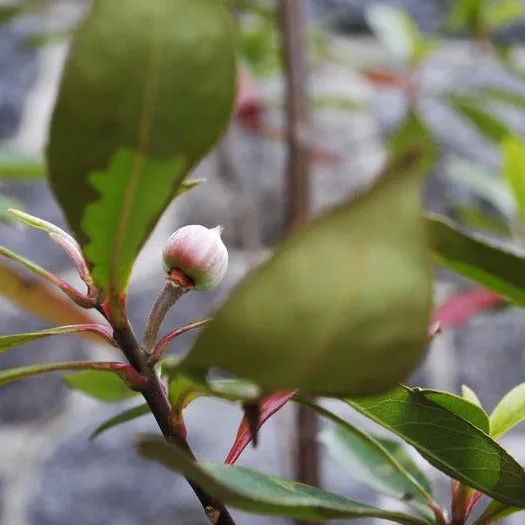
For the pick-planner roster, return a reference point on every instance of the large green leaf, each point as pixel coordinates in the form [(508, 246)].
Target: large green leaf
[(368, 461), (261, 494), (101, 385), (119, 419), (129, 124), (481, 261), (509, 412), (514, 171), (343, 306), (7, 342), (450, 443)]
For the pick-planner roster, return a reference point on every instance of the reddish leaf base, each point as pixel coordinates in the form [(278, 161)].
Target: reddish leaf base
[(268, 406)]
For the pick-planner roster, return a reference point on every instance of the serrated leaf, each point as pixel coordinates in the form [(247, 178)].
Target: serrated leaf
[(123, 417), (471, 396), (8, 342), (486, 263), (262, 494), (450, 443), (159, 98), (120, 221), (369, 462), (509, 412), (299, 308), (100, 384), (18, 166), (23, 372), (513, 151)]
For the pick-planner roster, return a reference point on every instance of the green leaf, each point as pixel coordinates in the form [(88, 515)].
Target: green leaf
[(509, 412), (466, 14), (129, 124), (262, 494), (495, 512), (489, 126), (324, 307), (120, 222), (470, 395), (512, 98), (450, 443), (514, 170), (8, 342), (18, 166), (369, 462), (23, 372), (484, 263), (498, 14), (397, 31), (123, 417), (100, 384), (461, 407)]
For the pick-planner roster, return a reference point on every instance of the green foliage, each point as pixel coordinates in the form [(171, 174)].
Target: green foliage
[(124, 417), (309, 290), (447, 440), (514, 171), (509, 412), (262, 494), (100, 384), (160, 97), (471, 396)]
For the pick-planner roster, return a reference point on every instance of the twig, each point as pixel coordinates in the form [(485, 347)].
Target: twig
[(156, 397), (298, 192)]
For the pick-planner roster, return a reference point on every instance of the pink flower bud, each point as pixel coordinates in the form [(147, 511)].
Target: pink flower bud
[(199, 253)]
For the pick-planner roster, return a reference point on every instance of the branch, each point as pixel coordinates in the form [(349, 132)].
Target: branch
[(156, 397)]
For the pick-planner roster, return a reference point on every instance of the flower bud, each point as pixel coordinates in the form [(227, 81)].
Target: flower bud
[(199, 253)]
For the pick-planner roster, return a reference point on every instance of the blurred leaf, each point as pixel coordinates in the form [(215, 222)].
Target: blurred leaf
[(7, 342), (46, 38), (495, 512), (268, 406), (449, 442), (14, 374), (466, 14), (8, 12), (120, 222), (15, 165), (369, 462), (484, 263), (499, 13), (259, 47), (397, 32), (489, 126), (261, 494), (6, 203), (100, 385), (308, 290), (473, 218), (463, 408), (509, 412), (470, 395), (123, 417), (42, 301), (152, 108), (512, 98), (513, 150), (482, 183)]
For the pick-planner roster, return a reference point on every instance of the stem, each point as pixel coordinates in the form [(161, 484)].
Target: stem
[(170, 293), (292, 24), (156, 397), (459, 501)]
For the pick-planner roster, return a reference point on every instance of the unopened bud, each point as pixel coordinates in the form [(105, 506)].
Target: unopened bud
[(199, 253)]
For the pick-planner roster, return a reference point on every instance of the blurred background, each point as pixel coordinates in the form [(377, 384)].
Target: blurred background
[(459, 62)]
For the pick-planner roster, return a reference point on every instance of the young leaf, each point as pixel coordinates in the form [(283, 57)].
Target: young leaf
[(509, 412), (147, 111), (7, 342), (123, 417), (450, 443), (299, 309), (471, 396), (40, 300), (268, 406), (463, 408), (486, 123), (17, 166), (484, 263), (368, 461), (100, 384), (14, 374), (262, 494), (514, 171)]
